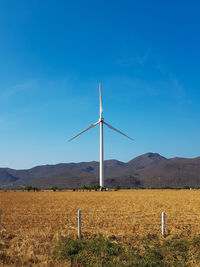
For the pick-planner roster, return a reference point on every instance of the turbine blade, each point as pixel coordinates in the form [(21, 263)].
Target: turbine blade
[(91, 126), (112, 128), (100, 99)]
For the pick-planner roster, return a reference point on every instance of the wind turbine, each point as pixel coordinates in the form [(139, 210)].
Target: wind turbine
[(101, 122)]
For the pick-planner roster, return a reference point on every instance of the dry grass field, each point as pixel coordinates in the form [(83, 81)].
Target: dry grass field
[(33, 221)]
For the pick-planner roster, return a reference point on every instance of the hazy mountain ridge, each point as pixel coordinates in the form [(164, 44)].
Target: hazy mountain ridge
[(148, 170)]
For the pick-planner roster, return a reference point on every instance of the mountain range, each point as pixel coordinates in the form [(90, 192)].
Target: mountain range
[(149, 170)]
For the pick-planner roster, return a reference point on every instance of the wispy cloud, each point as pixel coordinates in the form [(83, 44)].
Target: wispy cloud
[(178, 90), (166, 87), (129, 60), (18, 88), (164, 82)]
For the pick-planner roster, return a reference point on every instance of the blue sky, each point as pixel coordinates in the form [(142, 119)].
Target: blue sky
[(53, 54)]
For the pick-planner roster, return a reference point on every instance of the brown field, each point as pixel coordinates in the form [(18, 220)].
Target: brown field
[(32, 221)]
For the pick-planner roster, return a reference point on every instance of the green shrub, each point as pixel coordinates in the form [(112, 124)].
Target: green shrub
[(117, 187), (54, 188), (95, 187), (147, 252), (96, 252), (28, 188), (68, 248)]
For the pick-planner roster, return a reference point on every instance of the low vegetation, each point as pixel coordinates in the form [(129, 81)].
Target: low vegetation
[(117, 187), (152, 251), (54, 188), (31, 188)]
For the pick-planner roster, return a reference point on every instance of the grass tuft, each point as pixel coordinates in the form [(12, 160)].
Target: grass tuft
[(101, 251)]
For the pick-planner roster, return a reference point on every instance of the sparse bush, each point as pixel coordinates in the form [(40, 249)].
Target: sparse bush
[(28, 188), (84, 187), (117, 187), (186, 187), (36, 189), (54, 188), (95, 187)]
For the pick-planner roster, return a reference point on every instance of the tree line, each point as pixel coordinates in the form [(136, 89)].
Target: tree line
[(94, 187)]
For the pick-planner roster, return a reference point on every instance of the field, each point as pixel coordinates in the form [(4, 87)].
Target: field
[(32, 222)]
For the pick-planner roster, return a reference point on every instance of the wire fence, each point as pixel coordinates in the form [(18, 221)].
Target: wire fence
[(101, 221)]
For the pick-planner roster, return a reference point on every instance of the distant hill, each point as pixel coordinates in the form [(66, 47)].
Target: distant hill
[(150, 170), (6, 177)]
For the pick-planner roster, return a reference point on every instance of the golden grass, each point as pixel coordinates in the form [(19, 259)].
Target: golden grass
[(32, 221)]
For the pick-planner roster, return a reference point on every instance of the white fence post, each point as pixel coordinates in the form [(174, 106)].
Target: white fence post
[(163, 224), (79, 224)]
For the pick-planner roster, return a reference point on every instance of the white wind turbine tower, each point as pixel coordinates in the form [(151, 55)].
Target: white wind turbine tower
[(101, 122)]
